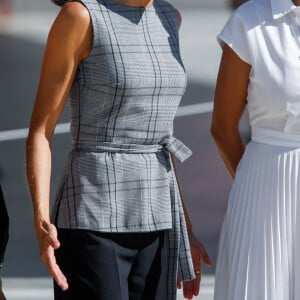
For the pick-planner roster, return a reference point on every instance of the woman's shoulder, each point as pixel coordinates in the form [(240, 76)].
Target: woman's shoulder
[(242, 26), (253, 12), (71, 28), (74, 10)]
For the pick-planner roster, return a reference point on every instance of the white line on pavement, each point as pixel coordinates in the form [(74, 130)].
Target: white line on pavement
[(195, 109), (183, 111), (19, 134), (41, 294)]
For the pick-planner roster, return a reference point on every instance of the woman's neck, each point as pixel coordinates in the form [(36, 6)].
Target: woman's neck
[(136, 3), (296, 2)]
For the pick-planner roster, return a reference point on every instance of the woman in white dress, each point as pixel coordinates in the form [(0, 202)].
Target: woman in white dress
[(259, 247)]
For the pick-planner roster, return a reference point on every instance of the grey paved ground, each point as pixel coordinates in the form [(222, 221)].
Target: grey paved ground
[(41, 289), (204, 180)]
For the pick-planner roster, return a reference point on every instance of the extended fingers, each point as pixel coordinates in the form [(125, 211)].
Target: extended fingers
[(197, 280), (188, 289), (58, 276), (199, 255), (48, 257), (191, 288), (196, 284), (55, 271)]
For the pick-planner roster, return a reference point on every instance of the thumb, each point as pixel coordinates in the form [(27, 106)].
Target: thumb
[(52, 236), (205, 257)]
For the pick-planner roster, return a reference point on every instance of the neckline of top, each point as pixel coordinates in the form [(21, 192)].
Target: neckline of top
[(113, 2)]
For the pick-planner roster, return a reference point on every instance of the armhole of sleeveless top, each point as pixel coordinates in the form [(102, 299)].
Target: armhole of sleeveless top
[(178, 16), (166, 8), (87, 5)]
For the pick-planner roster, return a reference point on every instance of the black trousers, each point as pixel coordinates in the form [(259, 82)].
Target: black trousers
[(4, 223), (112, 266)]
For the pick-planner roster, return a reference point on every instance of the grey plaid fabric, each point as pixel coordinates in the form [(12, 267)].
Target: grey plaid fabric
[(119, 177)]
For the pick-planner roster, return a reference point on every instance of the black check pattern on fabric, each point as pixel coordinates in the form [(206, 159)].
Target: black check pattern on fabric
[(123, 101)]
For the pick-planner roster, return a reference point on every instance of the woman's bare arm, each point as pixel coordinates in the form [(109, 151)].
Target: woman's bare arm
[(229, 104), (69, 41)]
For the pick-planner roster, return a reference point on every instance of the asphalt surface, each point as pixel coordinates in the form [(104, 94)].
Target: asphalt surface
[(204, 180)]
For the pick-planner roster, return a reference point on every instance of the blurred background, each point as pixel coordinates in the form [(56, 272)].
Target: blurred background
[(24, 25)]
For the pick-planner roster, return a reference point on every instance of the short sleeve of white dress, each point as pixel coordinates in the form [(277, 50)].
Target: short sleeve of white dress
[(234, 34)]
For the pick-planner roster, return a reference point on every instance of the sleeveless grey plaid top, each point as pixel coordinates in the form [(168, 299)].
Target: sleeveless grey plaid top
[(119, 177)]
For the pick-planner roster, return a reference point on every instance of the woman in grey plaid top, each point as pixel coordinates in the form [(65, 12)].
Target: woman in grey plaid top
[(122, 230)]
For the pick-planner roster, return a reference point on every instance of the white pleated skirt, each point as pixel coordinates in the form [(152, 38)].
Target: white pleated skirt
[(259, 247)]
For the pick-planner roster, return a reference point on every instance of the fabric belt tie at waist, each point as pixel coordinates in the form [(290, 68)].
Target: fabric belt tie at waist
[(170, 144), (276, 138)]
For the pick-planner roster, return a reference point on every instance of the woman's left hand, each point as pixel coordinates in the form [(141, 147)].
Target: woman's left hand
[(199, 255)]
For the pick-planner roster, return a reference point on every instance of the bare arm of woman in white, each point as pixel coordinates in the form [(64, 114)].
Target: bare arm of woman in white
[(229, 104), (69, 41)]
